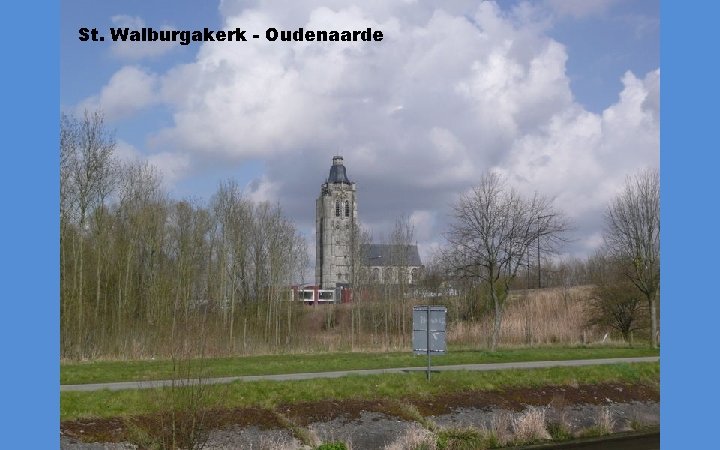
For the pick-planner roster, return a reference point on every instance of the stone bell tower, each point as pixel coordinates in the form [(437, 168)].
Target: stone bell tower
[(335, 219)]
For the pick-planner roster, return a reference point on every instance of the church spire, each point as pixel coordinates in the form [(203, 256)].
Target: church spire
[(337, 172)]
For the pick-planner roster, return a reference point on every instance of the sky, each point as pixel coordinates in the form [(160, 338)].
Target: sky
[(559, 96)]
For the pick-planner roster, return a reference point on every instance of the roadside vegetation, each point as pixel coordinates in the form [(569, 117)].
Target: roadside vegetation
[(526, 396), (110, 371), (269, 394)]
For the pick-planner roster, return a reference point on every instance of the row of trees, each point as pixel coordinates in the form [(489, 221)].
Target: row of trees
[(136, 265)]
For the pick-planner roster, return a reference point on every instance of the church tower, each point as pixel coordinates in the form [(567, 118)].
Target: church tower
[(335, 219)]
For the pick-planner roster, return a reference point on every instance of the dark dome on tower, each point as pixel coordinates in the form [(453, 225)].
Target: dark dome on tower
[(337, 172)]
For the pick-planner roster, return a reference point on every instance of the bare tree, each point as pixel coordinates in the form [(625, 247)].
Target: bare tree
[(493, 229), (233, 215), (141, 216), (632, 234), (401, 239), (88, 173), (360, 278)]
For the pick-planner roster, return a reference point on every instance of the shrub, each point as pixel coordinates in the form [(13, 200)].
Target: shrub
[(332, 446), (464, 439), (558, 431)]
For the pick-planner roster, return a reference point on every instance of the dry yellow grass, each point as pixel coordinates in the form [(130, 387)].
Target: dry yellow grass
[(530, 425), (556, 316), (535, 317)]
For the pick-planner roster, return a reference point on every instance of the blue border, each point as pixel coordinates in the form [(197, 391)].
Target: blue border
[(690, 313), (30, 238)]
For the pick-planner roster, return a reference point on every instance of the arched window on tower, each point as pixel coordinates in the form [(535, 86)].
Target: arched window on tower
[(337, 208), (347, 208)]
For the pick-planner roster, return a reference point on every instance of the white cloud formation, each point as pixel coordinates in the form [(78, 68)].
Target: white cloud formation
[(128, 91)]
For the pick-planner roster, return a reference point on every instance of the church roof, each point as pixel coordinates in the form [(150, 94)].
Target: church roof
[(390, 255), (337, 172)]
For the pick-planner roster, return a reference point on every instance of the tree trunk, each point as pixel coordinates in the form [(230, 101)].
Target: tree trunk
[(653, 320), (98, 278), (81, 317), (497, 320), (232, 320), (496, 329), (289, 324), (245, 336)]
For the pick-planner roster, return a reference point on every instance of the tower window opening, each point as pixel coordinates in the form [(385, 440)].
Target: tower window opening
[(347, 208), (337, 208)]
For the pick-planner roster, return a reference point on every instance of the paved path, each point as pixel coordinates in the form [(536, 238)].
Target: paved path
[(312, 375)]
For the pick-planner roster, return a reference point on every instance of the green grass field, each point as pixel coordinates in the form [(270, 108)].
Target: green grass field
[(109, 371), (270, 394)]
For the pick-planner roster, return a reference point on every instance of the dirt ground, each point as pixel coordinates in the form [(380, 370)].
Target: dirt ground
[(370, 423)]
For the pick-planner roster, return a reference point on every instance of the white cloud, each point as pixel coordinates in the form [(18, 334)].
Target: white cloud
[(128, 91), (265, 98)]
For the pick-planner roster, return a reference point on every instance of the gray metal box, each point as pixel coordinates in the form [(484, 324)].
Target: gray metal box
[(436, 331)]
